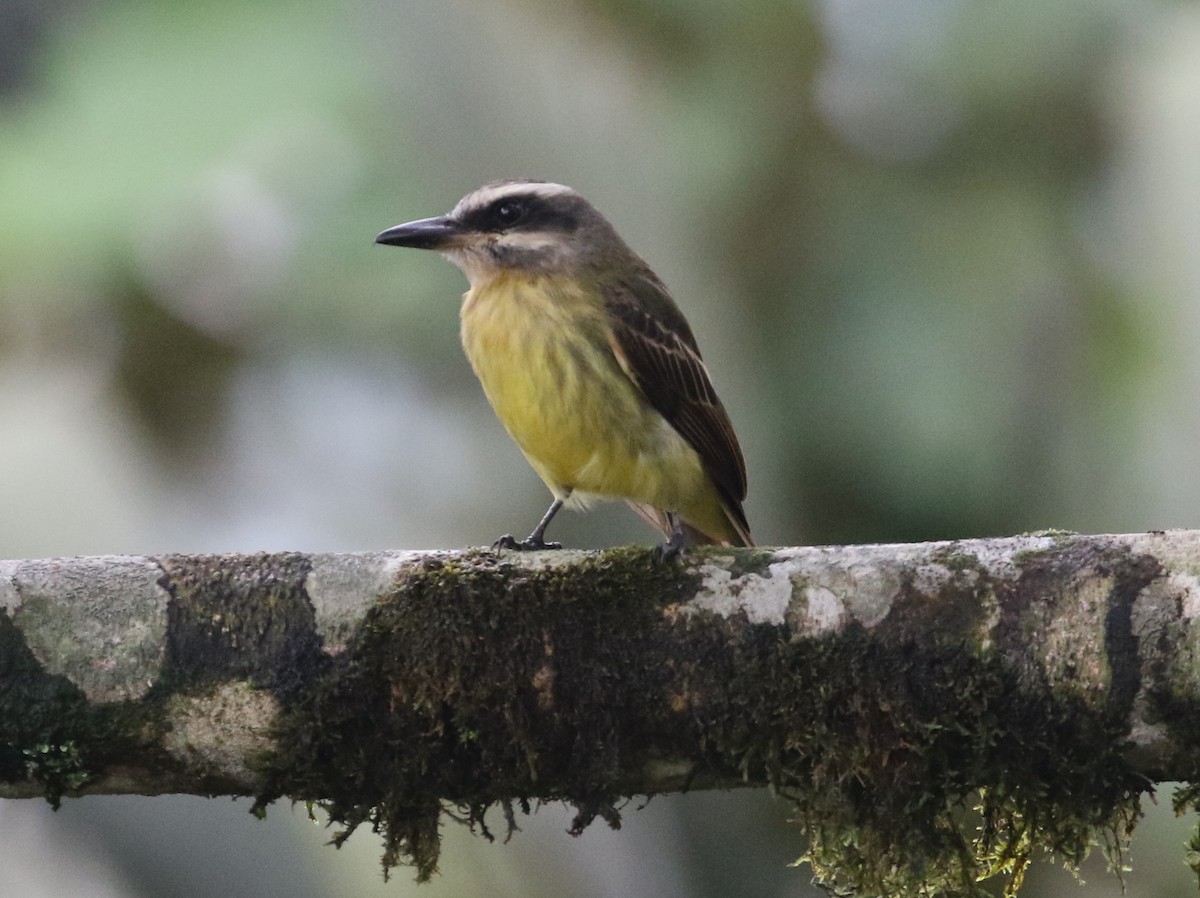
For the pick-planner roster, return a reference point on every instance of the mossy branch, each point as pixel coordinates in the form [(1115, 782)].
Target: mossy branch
[(937, 713)]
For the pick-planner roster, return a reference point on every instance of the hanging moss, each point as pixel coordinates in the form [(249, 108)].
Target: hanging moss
[(916, 762), (475, 683)]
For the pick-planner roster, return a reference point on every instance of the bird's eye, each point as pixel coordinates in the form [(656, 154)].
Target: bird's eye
[(508, 214)]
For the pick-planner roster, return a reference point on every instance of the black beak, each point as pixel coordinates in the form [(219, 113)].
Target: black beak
[(428, 233)]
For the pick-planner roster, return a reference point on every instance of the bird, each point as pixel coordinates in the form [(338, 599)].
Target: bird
[(588, 363)]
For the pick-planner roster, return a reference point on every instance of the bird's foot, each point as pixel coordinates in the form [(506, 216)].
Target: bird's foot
[(530, 543), (673, 547)]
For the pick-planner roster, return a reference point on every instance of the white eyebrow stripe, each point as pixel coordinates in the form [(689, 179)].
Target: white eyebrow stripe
[(489, 193)]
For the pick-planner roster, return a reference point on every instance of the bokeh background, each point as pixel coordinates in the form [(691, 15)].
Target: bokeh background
[(943, 257)]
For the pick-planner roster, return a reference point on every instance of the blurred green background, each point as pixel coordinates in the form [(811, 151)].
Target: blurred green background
[(943, 257)]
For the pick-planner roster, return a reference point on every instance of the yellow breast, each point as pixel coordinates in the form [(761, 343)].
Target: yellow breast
[(541, 351)]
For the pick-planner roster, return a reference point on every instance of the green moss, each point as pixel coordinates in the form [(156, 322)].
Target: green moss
[(1059, 538), (219, 628), (39, 715), (902, 744), (481, 683), (954, 613), (58, 764), (745, 561), (1187, 799), (48, 731), (239, 617), (915, 767)]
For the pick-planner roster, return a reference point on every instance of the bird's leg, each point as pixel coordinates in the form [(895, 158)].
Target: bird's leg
[(537, 539), (673, 547)]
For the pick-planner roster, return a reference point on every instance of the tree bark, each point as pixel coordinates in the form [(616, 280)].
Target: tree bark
[(879, 688)]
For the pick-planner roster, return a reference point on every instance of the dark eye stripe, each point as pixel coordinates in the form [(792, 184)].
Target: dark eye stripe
[(527, 211)]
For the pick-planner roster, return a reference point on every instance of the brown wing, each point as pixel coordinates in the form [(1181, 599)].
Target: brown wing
[(654, 344)]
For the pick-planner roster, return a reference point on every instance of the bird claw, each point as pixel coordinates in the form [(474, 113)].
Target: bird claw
[(673, 547), (529, 544), (670, 550)]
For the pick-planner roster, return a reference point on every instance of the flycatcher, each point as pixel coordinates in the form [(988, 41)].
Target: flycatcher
[(588, 362)]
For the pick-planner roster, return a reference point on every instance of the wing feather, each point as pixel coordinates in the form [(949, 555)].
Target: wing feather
[(656, 348)]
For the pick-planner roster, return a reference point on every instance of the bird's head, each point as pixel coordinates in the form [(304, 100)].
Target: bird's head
[(534, 227)]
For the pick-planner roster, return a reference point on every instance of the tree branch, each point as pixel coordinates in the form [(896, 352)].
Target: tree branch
[(882, 689)]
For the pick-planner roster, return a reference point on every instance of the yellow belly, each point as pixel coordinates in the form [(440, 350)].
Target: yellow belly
[(540, 349)]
